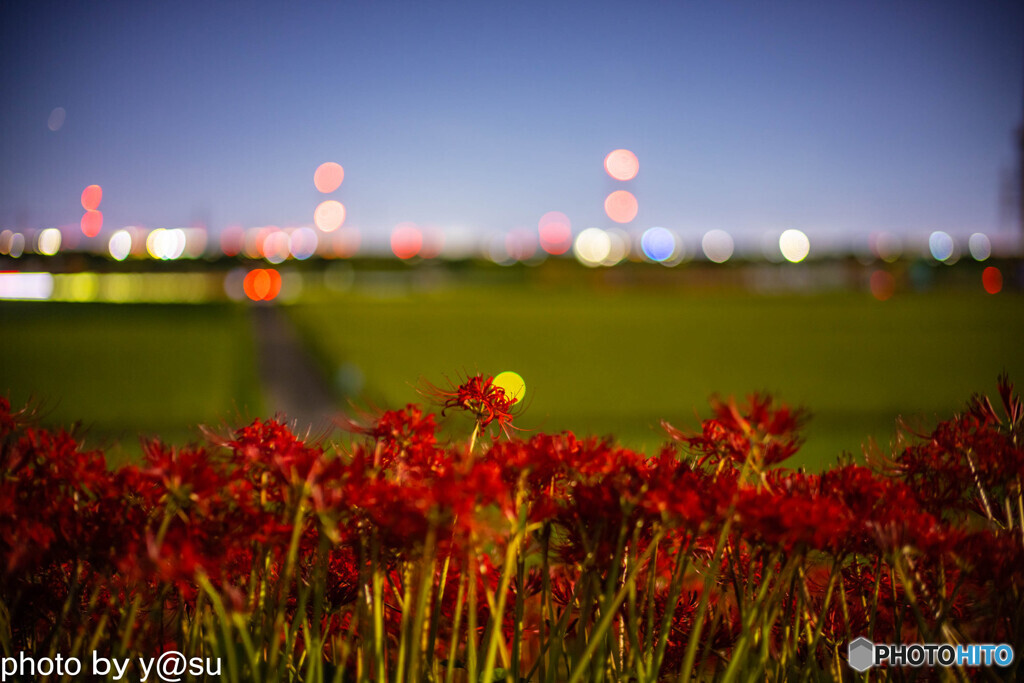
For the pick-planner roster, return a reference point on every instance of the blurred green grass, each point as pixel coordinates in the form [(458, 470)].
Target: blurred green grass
[(127, 370), (602, 362), (616, 363)]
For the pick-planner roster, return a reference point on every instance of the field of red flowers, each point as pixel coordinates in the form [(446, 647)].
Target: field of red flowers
[(548, 558)]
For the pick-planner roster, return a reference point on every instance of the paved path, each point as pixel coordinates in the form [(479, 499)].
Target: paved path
[(293, 385)]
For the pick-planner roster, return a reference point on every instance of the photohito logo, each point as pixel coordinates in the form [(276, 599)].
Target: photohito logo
[(862, 654)]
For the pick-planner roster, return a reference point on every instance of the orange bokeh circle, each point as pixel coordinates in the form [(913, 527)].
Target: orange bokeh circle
[(621, 164), (329, 215), (92, 221), (621, 206), (91, 197), (406, 240), (262, 284), (328, 177)]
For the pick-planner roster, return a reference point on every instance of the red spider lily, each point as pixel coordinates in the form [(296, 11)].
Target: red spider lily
[(480, 397), (918, 530), (760, 432)]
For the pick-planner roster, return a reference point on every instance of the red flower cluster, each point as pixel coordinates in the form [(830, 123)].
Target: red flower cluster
[(480, 397), (555, 528)]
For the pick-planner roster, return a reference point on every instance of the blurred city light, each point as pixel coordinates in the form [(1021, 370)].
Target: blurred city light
[(27, 286), (303, 243), (658, 244), (621, 164), (717, 246), (770, 247), (980, 246), (621, 206), (56, 119), (345, 242), (48, 242), (91, 197), (940, 245), (794, 245), (276, 247), (12, 244), (620, 245), (195, 242), (592, 247), (521, 244), (555, 232), (432, 241), (120, 245), (166, 245), (329, 215), (262, 284), (117, 287), (992, 280), (328, 177), (496, 250), (883, 285), (77, 287), (406, 240), (886, 246), (92, 223), (232, 240)]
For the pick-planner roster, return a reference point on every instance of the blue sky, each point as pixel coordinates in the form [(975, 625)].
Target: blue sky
[(831, 117)]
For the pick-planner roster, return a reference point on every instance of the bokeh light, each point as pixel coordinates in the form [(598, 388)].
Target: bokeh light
[(592, 247), (329, 215), (262, 284), (328, 177), (658, 244), (941, 245), (166, 245), (234, 284), (345, 242), (120, 245), (883, 285), (496, 250), (621, 164), (252, 245), (992, 280), (232, 240), (512, 384), (980, 246), (56, 119), (555, 232), (26, 286), (277, 247), (887, 246), (48, 242), (433, 241), (91, 197), (92, 223), (794, 245), (620, 246), (16, 245), (520, 244), (406, 240), (303, 243), (195, 242), (717, 246), (621, 206)]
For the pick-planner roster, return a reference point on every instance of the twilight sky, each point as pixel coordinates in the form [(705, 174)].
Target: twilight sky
[(832, 117)]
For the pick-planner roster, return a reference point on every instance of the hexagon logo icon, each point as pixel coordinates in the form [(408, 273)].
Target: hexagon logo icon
[(860, 654)]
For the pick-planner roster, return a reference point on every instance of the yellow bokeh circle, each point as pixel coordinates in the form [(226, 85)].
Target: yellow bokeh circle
[(512, 383)]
